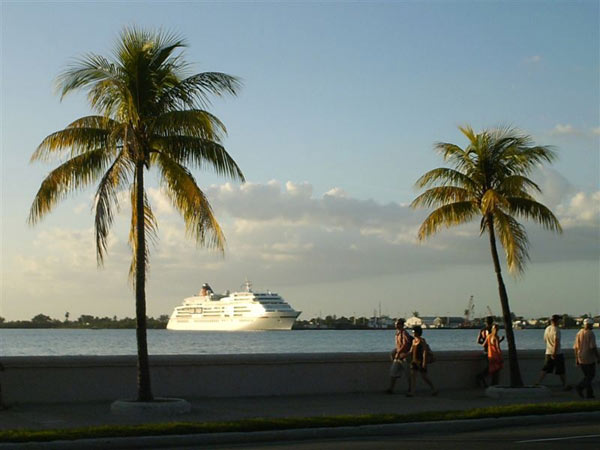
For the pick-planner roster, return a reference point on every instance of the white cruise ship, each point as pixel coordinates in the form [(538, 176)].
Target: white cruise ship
[(235, 311)]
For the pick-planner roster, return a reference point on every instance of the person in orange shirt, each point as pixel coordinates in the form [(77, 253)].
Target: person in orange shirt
[(494, 354), (481, 377), (586, 356)]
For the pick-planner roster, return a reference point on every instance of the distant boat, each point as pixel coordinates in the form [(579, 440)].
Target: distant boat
[(237, 311)]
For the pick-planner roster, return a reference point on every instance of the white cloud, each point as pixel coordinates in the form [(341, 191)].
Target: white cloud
[(303, 189), (569, 130), (533, 59), (580, 210), (564, 129), (161, 205), (336, 192)]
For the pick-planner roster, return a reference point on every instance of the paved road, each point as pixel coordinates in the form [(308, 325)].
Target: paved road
[(547, 437)]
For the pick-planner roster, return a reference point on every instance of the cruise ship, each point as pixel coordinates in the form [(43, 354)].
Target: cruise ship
[(237, 311)]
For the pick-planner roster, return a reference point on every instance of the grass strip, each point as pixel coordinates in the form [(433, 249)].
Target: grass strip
[(267, 424)]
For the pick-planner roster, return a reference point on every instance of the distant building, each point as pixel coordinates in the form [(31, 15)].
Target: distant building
[(381, 322), (448, 322), (413, 322), (424, 322)]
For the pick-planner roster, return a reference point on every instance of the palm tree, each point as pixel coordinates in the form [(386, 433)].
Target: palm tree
[(489, 180), (151, 113)]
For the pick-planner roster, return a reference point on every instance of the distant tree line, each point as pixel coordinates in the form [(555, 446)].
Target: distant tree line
[(84, 321), (331, 322)]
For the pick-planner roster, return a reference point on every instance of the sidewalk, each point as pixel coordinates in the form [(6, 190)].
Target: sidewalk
[(54, 416)]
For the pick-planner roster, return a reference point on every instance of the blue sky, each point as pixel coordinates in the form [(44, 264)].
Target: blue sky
[(341, 105)]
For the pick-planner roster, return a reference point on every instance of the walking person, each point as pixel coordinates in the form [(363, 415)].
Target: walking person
[(1, 403), (481, 340), (401, 351), (554, 360), (586, 357), (494, 354), (418, 362)]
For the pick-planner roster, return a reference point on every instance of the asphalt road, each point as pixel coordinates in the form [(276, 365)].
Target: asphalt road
[(547, 437)]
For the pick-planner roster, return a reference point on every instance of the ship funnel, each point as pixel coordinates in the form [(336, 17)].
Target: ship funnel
[(206, 290)]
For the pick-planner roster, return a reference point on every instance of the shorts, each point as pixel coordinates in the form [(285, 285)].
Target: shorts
[(397, 368), (556, 364), (418, 367)]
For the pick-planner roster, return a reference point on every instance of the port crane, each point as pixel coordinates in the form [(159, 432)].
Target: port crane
[(469, 311)]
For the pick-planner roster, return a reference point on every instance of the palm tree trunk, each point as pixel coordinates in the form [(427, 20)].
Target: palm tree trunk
[(515, 373), (143, 366)]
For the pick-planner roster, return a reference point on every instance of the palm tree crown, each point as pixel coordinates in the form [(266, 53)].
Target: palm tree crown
[(150, 114), (489, 180)]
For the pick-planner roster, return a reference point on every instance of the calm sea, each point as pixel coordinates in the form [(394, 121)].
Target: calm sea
[(163, 342)]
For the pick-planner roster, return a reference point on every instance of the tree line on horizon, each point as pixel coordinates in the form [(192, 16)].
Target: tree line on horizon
[(86, 321)]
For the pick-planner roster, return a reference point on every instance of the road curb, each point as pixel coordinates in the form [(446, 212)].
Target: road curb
[(205, 439)]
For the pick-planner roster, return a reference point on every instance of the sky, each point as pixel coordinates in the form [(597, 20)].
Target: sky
[(341, 106)]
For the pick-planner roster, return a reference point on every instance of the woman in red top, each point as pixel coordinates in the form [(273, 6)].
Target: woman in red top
[(494, 354)]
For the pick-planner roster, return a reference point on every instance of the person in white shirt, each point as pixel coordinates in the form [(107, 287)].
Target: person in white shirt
[(554, 360), (586, 356), (399, 356)]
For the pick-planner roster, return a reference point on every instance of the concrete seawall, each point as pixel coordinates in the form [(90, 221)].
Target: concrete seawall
[(49, 379)]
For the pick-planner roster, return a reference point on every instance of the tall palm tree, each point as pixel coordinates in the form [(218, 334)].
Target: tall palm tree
[(489, 179), (151, 113)]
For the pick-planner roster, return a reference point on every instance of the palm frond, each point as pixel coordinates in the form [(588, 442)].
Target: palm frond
[(106, 199), (492, 201), (517, 184), (194, 123), (525, 159), (467, 130), (445, 177), (74, 174), (532, 210), (85, 71), (441, 195), (77, 140), (514, 240), (150, 232), (447, 216), (114, 98), (167, 43), (199, 153), (190, 201), (96, 122), (196, 90)]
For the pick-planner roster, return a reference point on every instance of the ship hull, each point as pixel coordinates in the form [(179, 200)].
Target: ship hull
[(228, 324)]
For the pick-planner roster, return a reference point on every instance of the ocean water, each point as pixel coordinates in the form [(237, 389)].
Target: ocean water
[(49, 342)]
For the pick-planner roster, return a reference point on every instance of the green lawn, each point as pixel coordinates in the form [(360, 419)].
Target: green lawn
[(249, 425)]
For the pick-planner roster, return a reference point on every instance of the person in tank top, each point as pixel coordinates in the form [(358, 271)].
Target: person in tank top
[(400, 355)]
